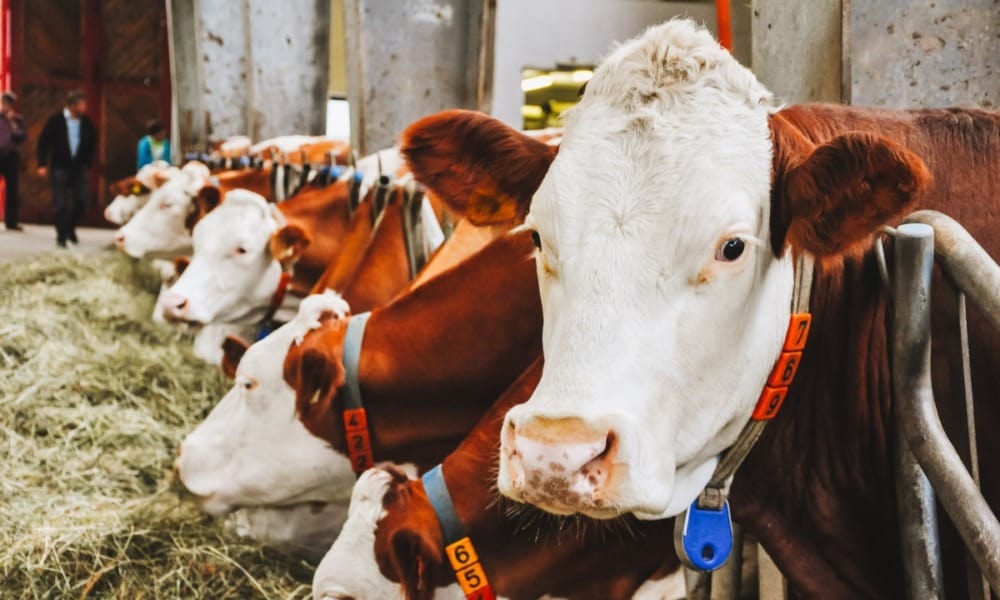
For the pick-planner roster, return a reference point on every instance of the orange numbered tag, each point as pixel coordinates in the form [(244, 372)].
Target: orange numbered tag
[(359, 445), (355, 419), (469, 573), (461, 554), (784, 370), (798, 332), (769, 403)]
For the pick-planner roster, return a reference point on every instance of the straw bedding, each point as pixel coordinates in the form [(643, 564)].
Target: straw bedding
[(94, 398)]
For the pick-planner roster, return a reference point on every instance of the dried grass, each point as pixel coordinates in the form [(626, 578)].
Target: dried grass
[(94, 398)]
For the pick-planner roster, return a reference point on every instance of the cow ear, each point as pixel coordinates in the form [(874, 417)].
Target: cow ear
[(288, 243), (830, 199), (313, 373), (416, 559), (233, 349), (180, 264), (482, 168), (204, 201)]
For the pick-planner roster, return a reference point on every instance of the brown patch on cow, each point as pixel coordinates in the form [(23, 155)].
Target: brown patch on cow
[(233, 349), (207, 198), (288, 243), (478, 165), (315, 370), (829, 199)]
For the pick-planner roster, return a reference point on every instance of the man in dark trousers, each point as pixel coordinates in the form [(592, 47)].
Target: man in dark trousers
[(66, 151), (12, 134)]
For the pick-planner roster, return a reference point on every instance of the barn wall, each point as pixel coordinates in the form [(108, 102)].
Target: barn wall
[(249, 67), (892, 53), (530, 33)]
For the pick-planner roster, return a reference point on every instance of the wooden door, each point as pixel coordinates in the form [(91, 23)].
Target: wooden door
[(116, 51)]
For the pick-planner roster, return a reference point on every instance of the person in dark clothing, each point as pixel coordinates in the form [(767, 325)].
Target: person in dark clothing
[(12, 134), (66, 150)]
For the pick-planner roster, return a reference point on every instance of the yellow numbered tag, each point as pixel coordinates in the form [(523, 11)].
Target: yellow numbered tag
[(461, 554), (472, 579)]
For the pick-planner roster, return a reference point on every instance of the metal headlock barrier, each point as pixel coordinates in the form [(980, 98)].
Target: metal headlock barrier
[(928, 466)]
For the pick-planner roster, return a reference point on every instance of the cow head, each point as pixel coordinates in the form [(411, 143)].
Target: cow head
[(391, 532), (161, 226), (251, 450), (239, 251), (132, 193), (663, 229)]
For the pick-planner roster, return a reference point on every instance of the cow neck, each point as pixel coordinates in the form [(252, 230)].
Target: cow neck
[(339, 271), (601, 562), (383, 270), (324, 214), (435, 360), (818, 489)]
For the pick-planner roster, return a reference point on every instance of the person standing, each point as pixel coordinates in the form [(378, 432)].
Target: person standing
[(12, 134), (154, 145), (66, 151)]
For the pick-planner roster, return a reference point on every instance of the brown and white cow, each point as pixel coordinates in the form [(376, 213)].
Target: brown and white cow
[(666, 273), (392, 547), (131, 193)]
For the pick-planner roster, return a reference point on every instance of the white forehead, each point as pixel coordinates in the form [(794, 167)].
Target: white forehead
[(671, 134), (242, 216)]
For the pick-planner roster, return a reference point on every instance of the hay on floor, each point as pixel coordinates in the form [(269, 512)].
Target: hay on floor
[(94, 398)]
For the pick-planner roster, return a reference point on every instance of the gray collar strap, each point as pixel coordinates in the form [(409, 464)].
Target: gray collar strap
[(703, 535), (462, 555), (356, 434), (355, 335), (413, 228), (444, 508)]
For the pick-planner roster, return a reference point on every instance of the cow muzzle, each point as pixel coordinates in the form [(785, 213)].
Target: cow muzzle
[(175, 307), (563, 466)]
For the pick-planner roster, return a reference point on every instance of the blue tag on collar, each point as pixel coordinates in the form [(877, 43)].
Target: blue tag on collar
[(706, 537), (265, 329)]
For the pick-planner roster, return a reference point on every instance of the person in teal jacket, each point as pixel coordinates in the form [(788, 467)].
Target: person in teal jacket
[(154, 145)]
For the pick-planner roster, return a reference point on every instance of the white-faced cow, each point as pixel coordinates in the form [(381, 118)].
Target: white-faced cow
[(667, 229), (132, 193), (162, 226)]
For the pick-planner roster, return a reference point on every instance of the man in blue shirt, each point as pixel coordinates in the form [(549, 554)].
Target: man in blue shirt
[(66, 151), (153, 146)]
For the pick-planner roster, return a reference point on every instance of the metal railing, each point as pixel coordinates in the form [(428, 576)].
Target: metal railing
[(924, 447)]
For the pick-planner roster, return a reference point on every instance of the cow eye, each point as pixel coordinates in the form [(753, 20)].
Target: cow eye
[(164, 205), (248, 383), (241, 250), (536, 240), (731, 249)]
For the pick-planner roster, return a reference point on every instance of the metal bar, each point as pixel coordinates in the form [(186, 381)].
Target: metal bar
[(914, 495), (771, 583), (726, 581), (967, 263), (914, 396)]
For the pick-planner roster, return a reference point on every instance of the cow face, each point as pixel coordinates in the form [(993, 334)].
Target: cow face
[(251, 450), (662, 227), (233, 273), (132, 193), (391, 530), (161, 226)]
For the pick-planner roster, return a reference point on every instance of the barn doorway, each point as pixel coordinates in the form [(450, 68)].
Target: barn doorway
[(116, 51)]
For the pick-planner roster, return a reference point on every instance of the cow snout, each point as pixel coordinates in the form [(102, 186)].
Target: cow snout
[(120, 239), (561, 465), (175, 307)]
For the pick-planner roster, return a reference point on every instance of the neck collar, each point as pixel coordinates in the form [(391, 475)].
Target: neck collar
[(359, 446), (457, 546), (703, 535)]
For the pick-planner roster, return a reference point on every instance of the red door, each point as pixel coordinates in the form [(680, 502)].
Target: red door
[(116, 51)]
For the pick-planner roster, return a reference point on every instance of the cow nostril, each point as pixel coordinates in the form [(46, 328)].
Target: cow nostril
[(181, 304)]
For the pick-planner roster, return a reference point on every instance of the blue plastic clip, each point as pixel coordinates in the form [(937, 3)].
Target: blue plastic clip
[(358, 177), (706, 537), (263, 331)]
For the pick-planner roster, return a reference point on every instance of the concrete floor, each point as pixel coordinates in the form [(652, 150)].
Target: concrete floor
[(37, 240)]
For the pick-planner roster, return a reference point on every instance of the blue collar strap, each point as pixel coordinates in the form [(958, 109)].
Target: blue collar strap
[(461, 554), (359, 445)]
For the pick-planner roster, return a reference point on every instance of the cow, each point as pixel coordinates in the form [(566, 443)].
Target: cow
[(666, 274), (161, 226), (464, 335), (131, 193), (392, 544), (241, 247)]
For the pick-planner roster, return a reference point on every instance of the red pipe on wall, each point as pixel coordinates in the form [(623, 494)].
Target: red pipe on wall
[(725, 24)]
